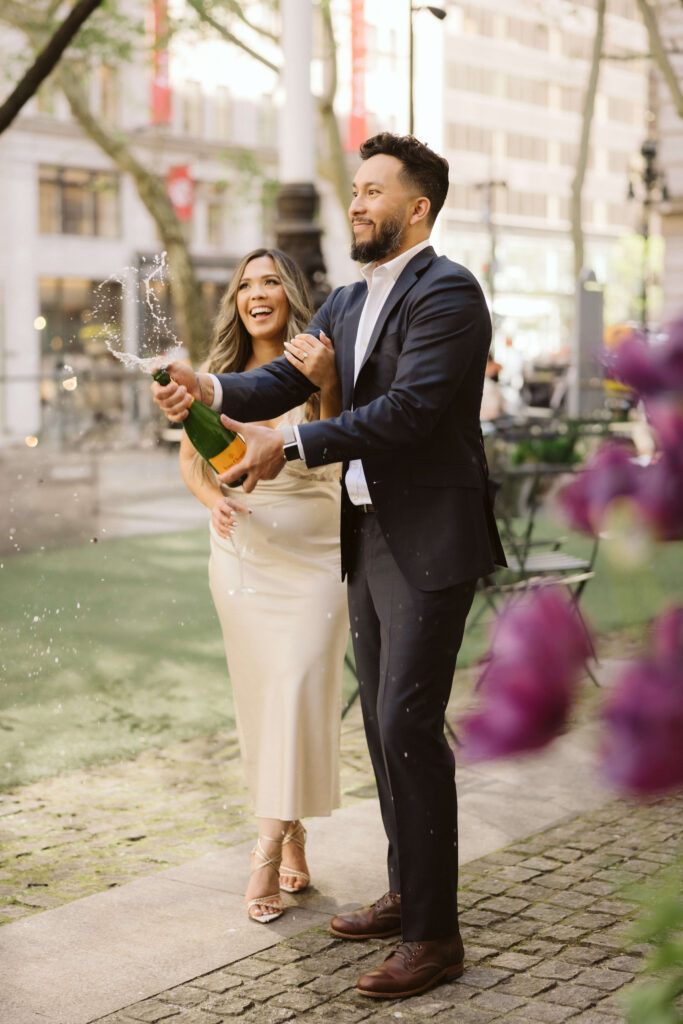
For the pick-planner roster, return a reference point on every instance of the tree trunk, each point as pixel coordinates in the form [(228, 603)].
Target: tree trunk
[(660, 55), (45, 61), (185, 294), (582, 158)]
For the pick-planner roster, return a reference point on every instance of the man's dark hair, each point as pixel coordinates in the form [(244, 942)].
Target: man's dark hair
[(423, 169)]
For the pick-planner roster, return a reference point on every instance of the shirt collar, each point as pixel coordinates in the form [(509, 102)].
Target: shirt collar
[(393, 268)]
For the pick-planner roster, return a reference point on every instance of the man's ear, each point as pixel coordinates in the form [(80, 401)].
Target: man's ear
[(421, 208)]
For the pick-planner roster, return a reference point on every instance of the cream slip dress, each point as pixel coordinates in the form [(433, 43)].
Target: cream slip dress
[(285, 639)]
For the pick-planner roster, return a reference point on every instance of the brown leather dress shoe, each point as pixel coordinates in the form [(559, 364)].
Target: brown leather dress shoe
[(380, 920), (414, 967)]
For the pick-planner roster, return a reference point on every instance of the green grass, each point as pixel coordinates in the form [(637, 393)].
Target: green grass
[(109, 648), (617, 597)]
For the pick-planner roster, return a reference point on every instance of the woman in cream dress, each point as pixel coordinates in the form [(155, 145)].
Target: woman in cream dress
[(275, 580)]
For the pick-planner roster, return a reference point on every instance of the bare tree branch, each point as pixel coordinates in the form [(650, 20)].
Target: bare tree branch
[(236, 9), (660, 54), (586, 123), (46, 61), (229, 36)]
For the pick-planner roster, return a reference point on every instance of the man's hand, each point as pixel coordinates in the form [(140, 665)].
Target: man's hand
[(264, 457), (175, 398)]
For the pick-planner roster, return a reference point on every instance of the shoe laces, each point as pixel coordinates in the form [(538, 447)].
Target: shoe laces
[(389, 899), (407, 951)]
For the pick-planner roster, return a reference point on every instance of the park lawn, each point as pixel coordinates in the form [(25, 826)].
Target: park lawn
[(618, 597), (110, 648)]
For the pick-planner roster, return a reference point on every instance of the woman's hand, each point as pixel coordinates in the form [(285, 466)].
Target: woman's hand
[(175, 399), (314, 357), (223, 515)]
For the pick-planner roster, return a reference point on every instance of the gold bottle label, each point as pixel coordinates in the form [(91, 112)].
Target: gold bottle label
[(230, 456)]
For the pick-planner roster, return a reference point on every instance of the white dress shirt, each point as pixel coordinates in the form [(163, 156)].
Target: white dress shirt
[(380, 280)]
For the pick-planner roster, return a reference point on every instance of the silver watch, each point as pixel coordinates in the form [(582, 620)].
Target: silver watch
[(291, 448)]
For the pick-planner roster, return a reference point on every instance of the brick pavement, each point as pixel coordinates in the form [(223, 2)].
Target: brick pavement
[(545, 923)]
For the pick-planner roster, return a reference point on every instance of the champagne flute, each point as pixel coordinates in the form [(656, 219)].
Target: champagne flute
[(240, 548)]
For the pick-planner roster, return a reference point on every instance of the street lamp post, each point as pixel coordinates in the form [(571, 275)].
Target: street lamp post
[(654, 190), (439, 13), (488, 188)]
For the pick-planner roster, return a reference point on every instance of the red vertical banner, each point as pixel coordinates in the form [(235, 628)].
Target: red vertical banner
[(358, 117), (180, 190), (161, 87)]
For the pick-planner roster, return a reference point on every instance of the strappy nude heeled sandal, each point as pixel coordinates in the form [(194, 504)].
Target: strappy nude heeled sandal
[(265, 901), (296, 835)]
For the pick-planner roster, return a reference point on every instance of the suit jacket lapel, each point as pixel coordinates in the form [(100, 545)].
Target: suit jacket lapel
[(406, 280), (348, 346)]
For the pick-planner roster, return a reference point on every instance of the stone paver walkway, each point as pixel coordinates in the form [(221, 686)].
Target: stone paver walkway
[(545, 924), (545, 917)]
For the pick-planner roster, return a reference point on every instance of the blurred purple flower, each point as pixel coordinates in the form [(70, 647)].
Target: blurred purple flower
[(666, 417), (538, 647), (646, 367), (610, 474), (540, 626), (660, 496), (668, 636), (642, 749)]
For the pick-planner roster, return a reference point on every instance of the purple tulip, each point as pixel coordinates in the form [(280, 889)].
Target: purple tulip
[(610, 474), (540, 626), (668, 636), (649, 368), (524, 711), (660, 496), (666, 417), (642, 749), (537, 650)]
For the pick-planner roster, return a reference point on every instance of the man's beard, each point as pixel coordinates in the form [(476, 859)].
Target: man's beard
[(387, 240)]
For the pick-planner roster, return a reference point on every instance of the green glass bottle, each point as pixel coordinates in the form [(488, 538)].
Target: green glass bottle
[(222, 448)]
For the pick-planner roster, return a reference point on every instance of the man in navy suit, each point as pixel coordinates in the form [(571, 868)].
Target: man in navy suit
[(411, 342)]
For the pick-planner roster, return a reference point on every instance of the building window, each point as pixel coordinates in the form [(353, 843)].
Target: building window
[(576, 45), (620, 109), (478, 22), (78, 202), (464, 196), (192, 109), (469, 138), (526, 147), (618, 162), (571, 98), (108, 92), (223, 113), (78, 313), (527, 33), (215, 210), (526, 204), (267, 121)]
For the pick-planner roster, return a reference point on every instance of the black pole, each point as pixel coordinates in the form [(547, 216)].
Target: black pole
[(649, 153), (298, 234), (411, 61)]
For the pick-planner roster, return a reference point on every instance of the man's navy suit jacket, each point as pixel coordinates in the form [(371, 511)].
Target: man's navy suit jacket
[(414, 420)]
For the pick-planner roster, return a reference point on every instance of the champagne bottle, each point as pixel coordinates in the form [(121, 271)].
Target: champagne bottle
[(221, 448)]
